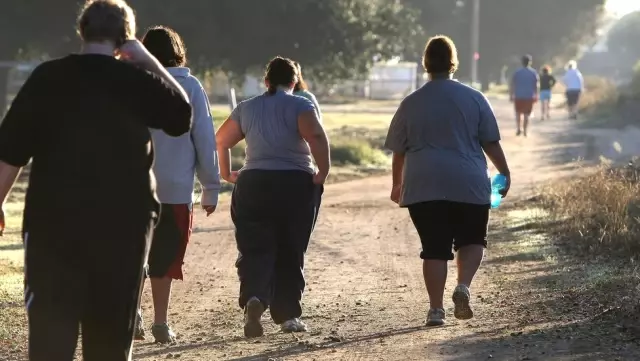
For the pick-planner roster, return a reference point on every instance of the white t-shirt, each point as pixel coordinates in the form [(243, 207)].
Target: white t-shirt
[(573, 79)]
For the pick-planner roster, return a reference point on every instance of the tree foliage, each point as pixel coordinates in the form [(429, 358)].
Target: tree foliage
[(622, 39), (546, 29)]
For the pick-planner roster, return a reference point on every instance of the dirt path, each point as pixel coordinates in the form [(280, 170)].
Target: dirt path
[(365, 298)]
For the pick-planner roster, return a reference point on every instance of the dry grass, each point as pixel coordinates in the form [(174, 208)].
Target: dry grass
[(599, 213)]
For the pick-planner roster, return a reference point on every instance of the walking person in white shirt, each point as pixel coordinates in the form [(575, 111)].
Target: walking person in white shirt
[(574, 84)]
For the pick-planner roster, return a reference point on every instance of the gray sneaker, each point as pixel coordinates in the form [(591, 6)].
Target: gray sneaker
[(138, 333), (163, 333), (293, 325), (436, 317), (253, 311), (461, 298)]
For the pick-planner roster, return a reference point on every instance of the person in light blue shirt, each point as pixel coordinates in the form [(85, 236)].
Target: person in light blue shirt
[(302, 89), (178, 162)]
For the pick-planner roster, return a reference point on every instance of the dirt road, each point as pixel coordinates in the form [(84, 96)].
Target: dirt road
[(365, 297)]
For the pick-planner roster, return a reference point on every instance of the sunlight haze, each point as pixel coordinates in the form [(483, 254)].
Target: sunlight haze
[(622, 7)]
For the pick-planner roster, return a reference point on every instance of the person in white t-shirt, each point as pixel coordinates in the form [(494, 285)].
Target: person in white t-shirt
[(574, 84)]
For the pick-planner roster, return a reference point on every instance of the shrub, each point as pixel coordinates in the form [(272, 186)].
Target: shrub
[(357, 152), (600, 211)]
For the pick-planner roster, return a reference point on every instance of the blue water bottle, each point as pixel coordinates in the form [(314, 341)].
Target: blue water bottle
[(498, 183)]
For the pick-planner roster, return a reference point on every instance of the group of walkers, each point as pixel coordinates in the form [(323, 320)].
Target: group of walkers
[(528, 86), (103, 127)]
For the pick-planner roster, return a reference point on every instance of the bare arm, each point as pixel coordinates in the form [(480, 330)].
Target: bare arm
[(8, 176), (227, 136), (313, 132), (397, 167)]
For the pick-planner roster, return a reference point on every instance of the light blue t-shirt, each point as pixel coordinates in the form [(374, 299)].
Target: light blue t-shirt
[(440, 128), (309, 95), (525, 83), (269, 123)]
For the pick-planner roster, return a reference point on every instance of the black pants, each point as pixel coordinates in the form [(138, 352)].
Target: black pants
[(80, 282), (274, 213), (443, 224)]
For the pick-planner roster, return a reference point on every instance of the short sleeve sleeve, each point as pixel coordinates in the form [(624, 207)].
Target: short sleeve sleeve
[(158, 103), (397, 136), (236, 114), (305, 105), (488, 128), (18, 131)]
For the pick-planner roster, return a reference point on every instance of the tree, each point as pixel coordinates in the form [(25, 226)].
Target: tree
[(547, 29), (622, 40)]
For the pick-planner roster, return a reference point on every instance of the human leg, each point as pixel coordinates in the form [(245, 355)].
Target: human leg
[(108, 322), (432, 222), (470, 242), (166, 258), (54, 299)]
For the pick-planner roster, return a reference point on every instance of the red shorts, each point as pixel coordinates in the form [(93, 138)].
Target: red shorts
[(170, 239), (524, 106)]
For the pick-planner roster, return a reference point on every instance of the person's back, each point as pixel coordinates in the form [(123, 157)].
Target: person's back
[(525, 83), (445, 124), (96, 135), (573, 79), (270, 125)]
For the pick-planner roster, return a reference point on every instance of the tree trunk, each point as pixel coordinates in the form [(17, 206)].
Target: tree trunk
[(4, 78)]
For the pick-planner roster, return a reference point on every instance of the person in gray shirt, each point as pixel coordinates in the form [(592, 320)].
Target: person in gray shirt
[(276, 196), (438, 136)]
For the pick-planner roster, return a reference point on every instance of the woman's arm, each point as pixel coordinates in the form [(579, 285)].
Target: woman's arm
[(397, 167), (227, 137), (313, 132)]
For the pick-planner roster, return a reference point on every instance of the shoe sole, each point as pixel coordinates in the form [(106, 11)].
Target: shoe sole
[(164, 339), (434, 323), (253, 326), (462, 310), (295, 329)]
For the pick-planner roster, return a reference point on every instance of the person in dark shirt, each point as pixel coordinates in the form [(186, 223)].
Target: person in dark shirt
[(547, 81), (83, 122)]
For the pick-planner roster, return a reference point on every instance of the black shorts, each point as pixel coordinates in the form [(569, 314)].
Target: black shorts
[(443, 224), (573, 97)]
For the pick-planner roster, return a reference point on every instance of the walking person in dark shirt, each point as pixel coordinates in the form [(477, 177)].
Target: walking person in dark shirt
[(276, 196), (547, 82), (90, 206)]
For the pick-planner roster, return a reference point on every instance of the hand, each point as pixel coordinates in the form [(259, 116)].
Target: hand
[(231, 177), (2, 224), (134, 52), (396, 191), (209, 209), (507, 186), (320, 178)]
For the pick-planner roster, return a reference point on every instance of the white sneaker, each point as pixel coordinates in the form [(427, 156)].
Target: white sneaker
[(293, 325), (461, 298)]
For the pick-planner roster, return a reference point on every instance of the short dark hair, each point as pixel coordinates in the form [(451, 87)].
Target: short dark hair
[(280, 72), (526, 60), (546, 69), (106, 20), (440, 56), (301, 84), (166, 45)]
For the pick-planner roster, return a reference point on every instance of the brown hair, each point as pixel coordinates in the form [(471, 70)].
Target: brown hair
[(440, 56), (301, 84), (280, 72), (106, 20), (166, 45), (546, 69)]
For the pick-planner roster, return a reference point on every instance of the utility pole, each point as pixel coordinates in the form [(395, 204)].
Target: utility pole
[(475, 41)]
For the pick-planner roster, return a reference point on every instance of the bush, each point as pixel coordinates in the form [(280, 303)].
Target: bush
[(600, 212), (600, 93), (357, 152)]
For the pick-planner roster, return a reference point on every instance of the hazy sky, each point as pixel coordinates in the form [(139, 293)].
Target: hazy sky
[(622, 7)]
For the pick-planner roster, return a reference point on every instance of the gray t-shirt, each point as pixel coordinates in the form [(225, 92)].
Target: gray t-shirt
[(525, 83), (270, 126), (440, 128)]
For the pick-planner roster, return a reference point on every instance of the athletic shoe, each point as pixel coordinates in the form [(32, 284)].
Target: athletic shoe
[(253, 311), (293, 325), (518, 133), (163, 333), (436, 317), (138, 333), (461, 298)]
